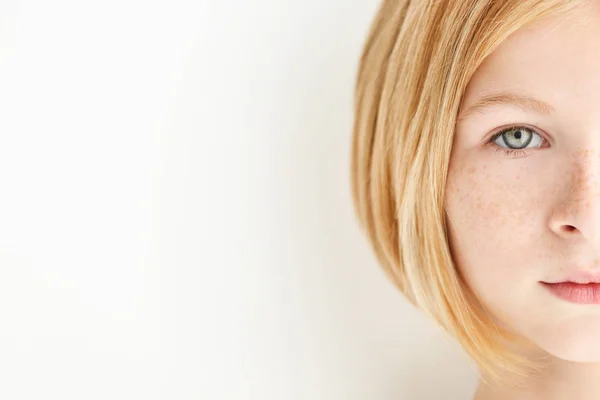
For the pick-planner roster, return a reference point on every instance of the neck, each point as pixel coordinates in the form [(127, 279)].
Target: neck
[(563, 380)]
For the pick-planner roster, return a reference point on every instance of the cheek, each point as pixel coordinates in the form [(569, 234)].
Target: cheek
[(493, 214), (488, 204)]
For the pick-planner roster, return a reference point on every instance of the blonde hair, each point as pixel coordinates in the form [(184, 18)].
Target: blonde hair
[(415, 66)]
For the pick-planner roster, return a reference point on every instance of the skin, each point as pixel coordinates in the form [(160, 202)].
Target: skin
[(519, 219)]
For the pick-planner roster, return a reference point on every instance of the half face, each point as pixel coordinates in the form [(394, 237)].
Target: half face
[(523, 188)]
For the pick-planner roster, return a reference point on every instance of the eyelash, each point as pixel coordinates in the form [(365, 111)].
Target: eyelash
[(520, 152)]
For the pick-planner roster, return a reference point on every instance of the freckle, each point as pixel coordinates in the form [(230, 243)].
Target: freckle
[(471, 170)]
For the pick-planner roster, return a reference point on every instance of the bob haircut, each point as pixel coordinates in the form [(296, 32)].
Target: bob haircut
[(414, 68)]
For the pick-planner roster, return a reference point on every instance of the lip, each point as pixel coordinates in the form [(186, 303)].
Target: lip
[(580, 293)]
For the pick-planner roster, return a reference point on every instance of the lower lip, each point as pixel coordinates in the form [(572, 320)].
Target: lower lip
[(588, 293)]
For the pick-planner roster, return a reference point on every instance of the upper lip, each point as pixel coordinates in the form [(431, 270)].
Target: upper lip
[(580, 277)]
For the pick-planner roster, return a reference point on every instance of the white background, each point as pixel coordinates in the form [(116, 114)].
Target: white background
[(175, 211)]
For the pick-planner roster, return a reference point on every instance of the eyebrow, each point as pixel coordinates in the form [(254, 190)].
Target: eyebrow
[(507, 98)]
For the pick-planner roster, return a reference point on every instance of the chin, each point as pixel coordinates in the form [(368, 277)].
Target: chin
[(576, 340)]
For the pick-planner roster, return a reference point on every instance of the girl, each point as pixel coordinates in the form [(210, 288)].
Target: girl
[(476, 177)]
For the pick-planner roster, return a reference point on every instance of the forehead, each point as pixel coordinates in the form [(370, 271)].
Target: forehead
[(556, 60)]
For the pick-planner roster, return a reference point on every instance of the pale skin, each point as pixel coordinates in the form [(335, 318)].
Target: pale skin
[(533, 215)]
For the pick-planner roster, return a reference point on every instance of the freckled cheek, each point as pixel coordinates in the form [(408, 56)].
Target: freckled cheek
[(487, 237), (489, 209)]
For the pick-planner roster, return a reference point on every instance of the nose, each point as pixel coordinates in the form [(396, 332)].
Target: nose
[(579, 215)]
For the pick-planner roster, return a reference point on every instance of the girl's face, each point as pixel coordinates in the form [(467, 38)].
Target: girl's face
[(525, 208)]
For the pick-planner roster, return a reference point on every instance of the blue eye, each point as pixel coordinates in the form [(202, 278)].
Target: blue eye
[(515, 140)]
